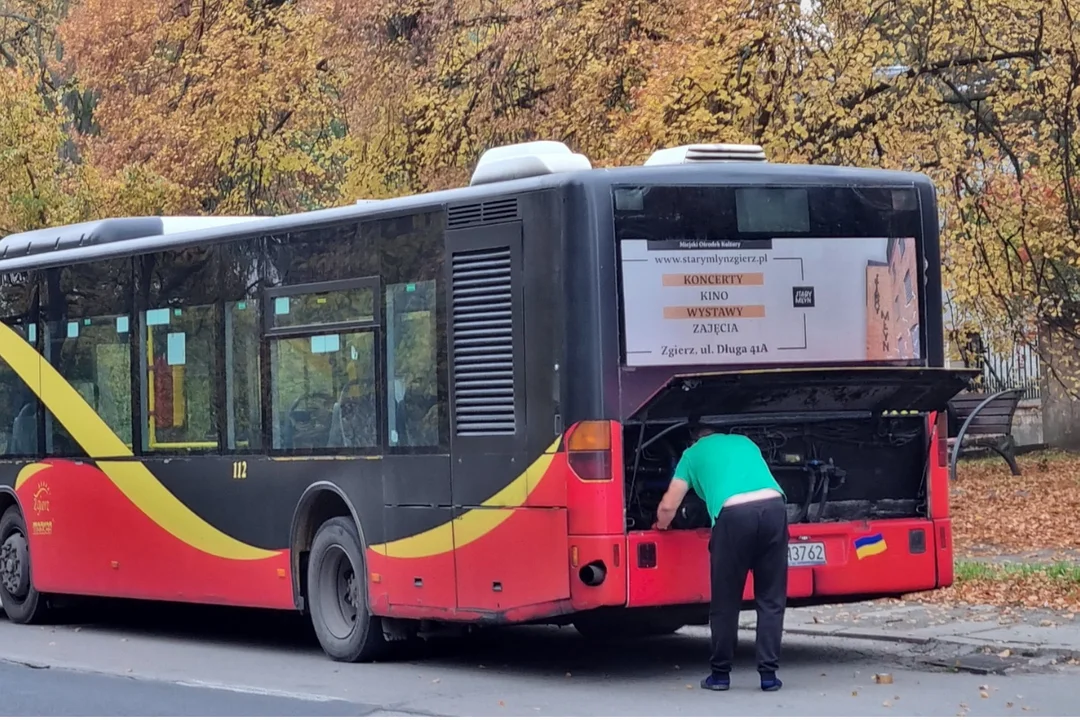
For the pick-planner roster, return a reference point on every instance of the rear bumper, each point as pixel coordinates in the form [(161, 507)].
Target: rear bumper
[(672, 567)]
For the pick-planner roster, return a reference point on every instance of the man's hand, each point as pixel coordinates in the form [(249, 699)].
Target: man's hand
[(670, 503)]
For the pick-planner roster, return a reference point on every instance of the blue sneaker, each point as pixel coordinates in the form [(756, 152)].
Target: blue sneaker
[(716, 681), (770, 683)]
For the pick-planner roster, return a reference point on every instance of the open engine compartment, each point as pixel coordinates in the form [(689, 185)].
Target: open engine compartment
[(831, 470)]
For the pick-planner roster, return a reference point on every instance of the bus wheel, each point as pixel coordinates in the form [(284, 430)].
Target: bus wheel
[(337, 594), (22, 603)]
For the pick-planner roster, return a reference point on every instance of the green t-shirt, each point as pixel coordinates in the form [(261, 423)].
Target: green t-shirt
[(720, 466)]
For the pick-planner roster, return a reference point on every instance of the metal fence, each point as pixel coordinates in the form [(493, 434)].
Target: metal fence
[(1016, 369)]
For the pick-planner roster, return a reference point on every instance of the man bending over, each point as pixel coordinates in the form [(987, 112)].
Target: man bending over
[(749, 532)]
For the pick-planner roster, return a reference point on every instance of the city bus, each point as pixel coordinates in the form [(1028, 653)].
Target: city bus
[(458, 409)]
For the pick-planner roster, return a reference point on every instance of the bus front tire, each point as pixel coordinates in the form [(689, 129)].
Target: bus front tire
[(22, 602), (337, 593)]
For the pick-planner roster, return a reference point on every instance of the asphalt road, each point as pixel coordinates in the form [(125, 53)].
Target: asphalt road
[(148, 660)]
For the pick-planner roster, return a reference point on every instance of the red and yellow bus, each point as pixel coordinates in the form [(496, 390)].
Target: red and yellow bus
[(463, 407)]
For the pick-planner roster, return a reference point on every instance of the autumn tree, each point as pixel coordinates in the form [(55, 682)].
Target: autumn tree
[(227, 99)]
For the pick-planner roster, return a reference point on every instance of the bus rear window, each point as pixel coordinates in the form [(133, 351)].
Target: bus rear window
[(772, 276)]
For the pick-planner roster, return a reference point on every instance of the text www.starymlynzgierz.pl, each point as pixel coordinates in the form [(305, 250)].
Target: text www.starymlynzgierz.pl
[(713, 259)]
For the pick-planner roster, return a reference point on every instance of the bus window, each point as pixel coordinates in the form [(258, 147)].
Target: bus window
[(411, 365), (323, 391), (349, 305), (179, 342), (94, 356), (19, 404), (242, 399), (88, 341), (18, 411), (241, 288)]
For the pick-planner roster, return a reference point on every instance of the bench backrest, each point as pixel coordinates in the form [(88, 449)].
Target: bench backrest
[(994, 419)]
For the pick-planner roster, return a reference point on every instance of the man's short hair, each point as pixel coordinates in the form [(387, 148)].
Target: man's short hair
[(700, 430)]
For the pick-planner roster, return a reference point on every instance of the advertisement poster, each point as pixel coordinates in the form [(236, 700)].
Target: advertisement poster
[(789, 300)]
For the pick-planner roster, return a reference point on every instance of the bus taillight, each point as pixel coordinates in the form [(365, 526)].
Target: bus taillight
[(588, 450)]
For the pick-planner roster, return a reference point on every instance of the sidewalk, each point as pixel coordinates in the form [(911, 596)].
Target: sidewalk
[(1003, 631)]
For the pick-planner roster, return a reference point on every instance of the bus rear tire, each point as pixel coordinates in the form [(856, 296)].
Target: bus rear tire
[(337, 594), (22, 602)]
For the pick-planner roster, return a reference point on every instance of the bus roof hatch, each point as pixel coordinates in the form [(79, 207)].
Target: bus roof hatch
[(524, 160), (686, 154)]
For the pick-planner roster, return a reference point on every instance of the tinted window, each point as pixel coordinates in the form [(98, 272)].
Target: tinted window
[(180, 338), (241, 289), (19, 406), (88, 325), (315, 256), (323, 307), (412, 365), (416, 376), (723, 213), (324, 392)]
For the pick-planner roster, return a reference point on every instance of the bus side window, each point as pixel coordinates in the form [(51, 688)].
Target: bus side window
[(19, 405), (412, 365), (180, 335), (88, 341), (18, 412), (323, 382)]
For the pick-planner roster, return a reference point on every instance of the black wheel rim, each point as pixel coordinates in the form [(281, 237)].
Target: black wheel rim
[(339, 593), (15, 566)]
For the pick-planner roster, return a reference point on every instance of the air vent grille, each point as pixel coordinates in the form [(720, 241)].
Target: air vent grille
[(486, 213), (483, 352)]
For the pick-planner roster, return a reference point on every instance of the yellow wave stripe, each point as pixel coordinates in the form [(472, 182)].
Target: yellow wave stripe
[(131, 477), (473, 524), (28, 472)]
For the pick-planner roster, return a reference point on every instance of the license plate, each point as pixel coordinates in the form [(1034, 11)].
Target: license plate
[(803, 554)]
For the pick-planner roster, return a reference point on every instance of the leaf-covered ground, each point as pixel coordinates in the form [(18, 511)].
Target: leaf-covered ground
[(1017, 539)]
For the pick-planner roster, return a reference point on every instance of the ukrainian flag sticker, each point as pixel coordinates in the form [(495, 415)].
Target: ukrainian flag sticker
[(870, 545)]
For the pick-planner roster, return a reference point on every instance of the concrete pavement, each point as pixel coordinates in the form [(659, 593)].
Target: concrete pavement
[(1034, 633), (177, 660)]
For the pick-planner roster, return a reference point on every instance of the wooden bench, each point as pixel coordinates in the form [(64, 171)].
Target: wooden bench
[(985, 422)]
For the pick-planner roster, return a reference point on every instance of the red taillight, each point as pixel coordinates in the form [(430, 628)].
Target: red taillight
[(942, 439), (588, 450)]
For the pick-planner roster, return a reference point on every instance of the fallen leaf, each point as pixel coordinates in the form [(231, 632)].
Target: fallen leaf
[(1005, 653), (689, 686), (984, 695), (854, 693), (883, 679), (887, 703), (502, 703), (1009, 704)]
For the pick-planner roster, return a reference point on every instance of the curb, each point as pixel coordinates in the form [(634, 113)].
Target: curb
[(857, 635), (1027, 650)]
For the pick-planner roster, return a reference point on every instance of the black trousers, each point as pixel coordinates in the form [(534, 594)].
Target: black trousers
[(750, 536)]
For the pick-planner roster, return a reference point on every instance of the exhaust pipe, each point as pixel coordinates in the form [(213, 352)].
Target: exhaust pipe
[(593, 574)]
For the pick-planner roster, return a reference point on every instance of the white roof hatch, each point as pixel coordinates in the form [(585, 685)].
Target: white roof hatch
[(699, 153), (529, 159)]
